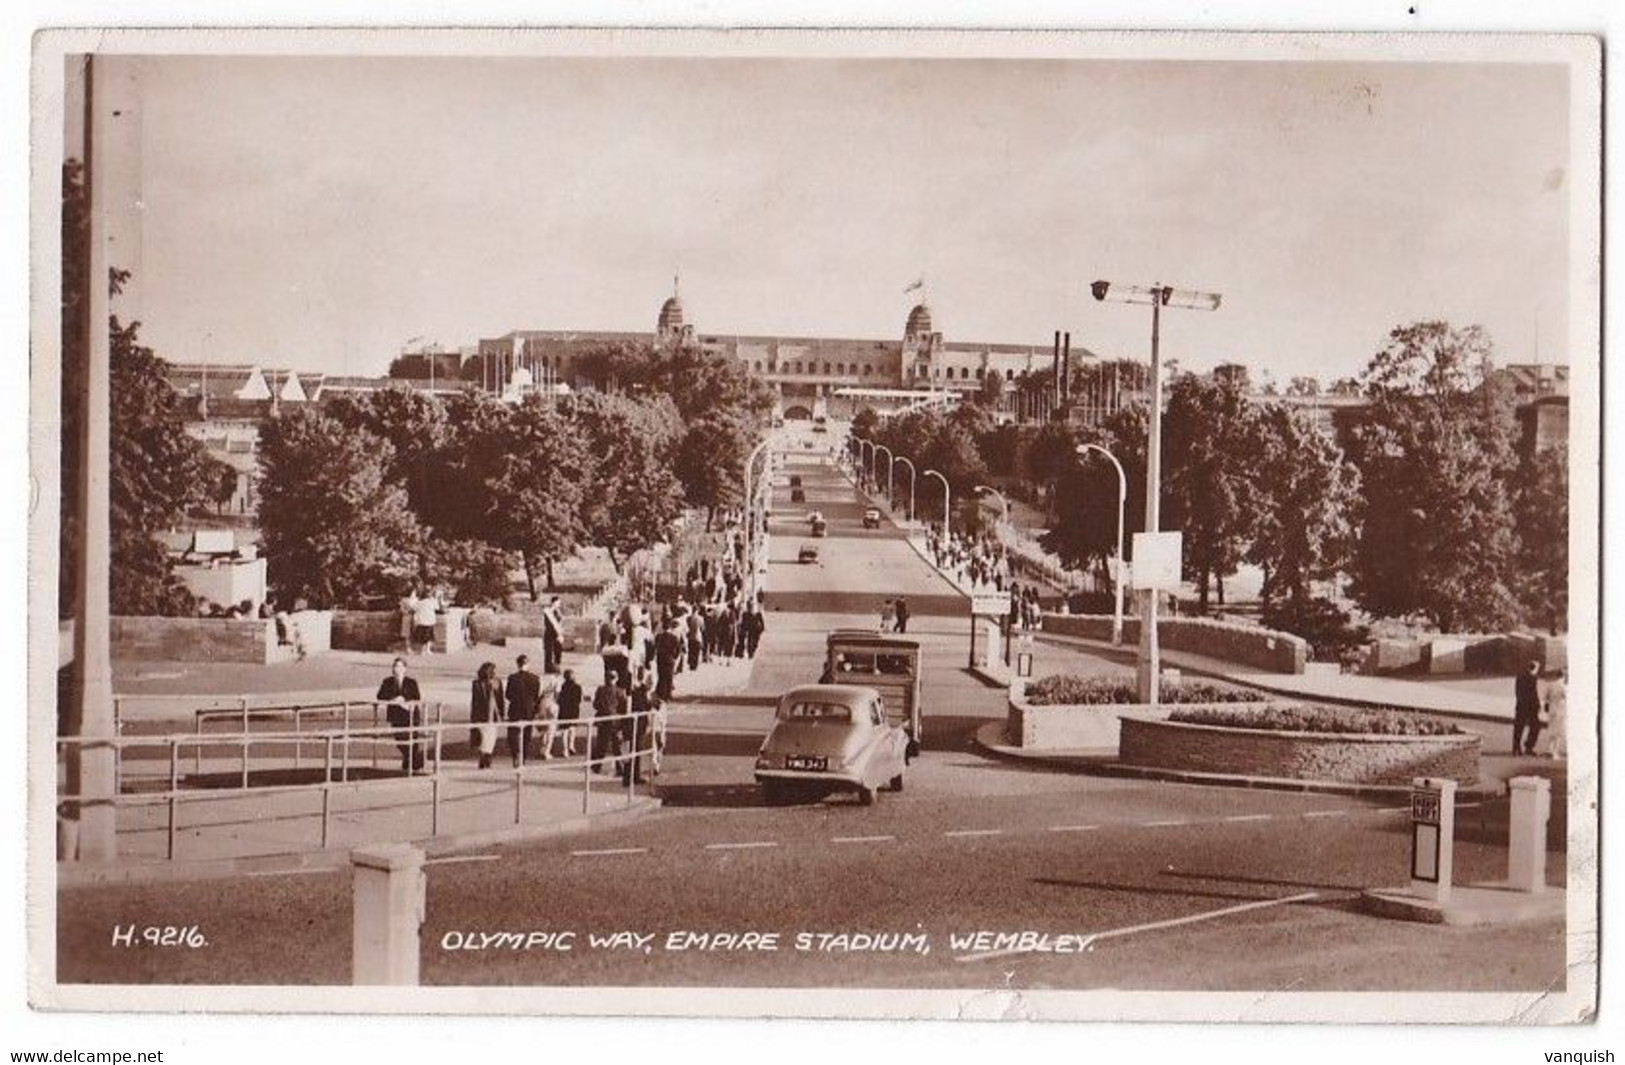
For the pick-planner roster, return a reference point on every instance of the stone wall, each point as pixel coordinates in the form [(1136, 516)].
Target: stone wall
[(1249, 645), (1448, 653), (1350, 759), (158, 639), (1066, 727), (366, 630)]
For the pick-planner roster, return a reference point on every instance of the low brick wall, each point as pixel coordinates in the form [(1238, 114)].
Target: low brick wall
[(366, 630), (1069, 727), (1249, 645), (159, 639), (1348, 759), (1499, 654)]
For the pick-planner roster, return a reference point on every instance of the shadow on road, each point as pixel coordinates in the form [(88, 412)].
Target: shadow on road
[(1264, 881), (724, 744), (709, 795)]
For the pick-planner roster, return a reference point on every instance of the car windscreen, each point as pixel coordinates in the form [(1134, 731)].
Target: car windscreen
[(811, 710), (892, 665)]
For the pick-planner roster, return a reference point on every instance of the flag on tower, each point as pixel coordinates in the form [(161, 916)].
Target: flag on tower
[(918, 284)]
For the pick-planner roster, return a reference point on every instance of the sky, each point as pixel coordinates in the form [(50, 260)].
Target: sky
[(315, 213)]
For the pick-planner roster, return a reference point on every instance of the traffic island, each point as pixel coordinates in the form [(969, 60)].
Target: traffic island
[(1469, 905)]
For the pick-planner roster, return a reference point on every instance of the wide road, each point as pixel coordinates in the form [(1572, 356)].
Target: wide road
[(1135, 884)]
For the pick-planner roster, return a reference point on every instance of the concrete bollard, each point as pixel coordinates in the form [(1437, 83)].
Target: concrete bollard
[(1526, 847), (389, 901), (1433, 834)]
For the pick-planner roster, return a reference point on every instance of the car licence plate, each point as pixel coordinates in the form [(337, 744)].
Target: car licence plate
[(806, 761)]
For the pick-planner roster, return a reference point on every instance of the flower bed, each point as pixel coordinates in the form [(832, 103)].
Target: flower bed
[(1069, 689), (1269, 748), (1295, 717)]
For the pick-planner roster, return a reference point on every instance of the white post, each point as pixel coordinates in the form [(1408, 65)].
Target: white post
[(1526, 848), (1433, 833), (388, 913)]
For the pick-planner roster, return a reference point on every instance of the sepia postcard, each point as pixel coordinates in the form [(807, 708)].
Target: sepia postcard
[(861, 524)]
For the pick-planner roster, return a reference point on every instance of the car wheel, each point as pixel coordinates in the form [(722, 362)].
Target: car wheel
[(866, 795)]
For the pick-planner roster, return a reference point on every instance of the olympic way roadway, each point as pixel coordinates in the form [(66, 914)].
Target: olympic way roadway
[(1113, 883)]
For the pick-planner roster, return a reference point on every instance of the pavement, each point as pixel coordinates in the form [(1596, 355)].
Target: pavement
[(981, 874)]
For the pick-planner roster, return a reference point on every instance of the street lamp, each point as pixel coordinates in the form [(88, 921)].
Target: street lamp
[(862, 443), (1158, 296), (1004, 503), (887, 450), (947, 510), (1117, 573), (910, 462), (750, 512)]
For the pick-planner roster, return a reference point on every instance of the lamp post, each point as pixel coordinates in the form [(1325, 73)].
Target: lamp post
[(862, 462), (1158, 296), (1004, 504), (1117, 573), (911, 475), (947, 508), (750, 512), (887, 450)]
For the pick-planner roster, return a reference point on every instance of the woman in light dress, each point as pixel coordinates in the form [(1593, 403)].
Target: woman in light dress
[(1557, 716)]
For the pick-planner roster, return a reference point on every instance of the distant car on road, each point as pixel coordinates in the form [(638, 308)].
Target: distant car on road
[(871, 518), (814, 517), (798, 495), (828, 738), (795, 480), (820, 527), (808, 553)]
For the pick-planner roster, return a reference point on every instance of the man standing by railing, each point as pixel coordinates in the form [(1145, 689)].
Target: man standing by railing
[(404, 709), (524, 692)]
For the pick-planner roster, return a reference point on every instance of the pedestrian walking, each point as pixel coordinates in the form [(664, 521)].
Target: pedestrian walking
[(524, 694), (403, 708), (696, 637), (608, 702), (425, 609), (901, 610), (1557, 716), (751, 627), (668, 652), (487, 705), (1526, 710), (552, 636), (547, 712), (569, 711)]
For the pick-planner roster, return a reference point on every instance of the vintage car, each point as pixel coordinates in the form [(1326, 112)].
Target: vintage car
[(808, 553), (871, 518), (820, 527), (814, 517), (828, 738), (795, 480)]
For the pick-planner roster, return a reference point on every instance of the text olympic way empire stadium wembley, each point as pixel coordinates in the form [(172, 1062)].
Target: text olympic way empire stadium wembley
[(764, 942)]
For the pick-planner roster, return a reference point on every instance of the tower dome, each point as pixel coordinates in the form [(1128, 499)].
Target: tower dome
[(671, 316), (919, 321)]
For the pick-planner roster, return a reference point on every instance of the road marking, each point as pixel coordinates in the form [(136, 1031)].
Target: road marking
[(1325, 813), (741, 846), (453, 859), (1249, 817), (1162, 824), (861, 839), (1073, 828), (608, 851), (1153, 926), (974, 832), (294, 872)]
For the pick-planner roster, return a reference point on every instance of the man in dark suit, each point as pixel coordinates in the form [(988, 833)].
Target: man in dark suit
[(552, 636), (902, 614), (404, 709), (1526, 711), (668, 649), (524, 694)]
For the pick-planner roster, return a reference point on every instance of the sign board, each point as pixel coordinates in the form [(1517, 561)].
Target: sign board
[(1425, 807), (214, 542), (991, 605), (1425, 853), (1157, 561)]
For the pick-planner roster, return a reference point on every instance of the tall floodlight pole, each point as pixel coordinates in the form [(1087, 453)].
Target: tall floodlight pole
[(947, 501), (1004, 504), (1117, 574), (910, 463), (1148, 668)]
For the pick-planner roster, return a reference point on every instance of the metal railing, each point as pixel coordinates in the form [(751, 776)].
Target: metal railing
[(337, 761)]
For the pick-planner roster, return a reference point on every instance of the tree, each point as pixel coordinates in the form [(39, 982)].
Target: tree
[(1302, 495), (1303, 386), (536, 467), (414, 424), (989, 392), (1543, 536), (632, 494), (1206, 431), (1435, 456), (711, 461), (337, 531)]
